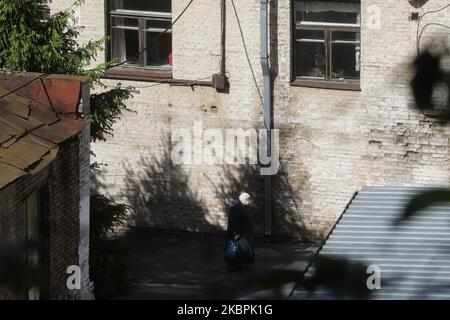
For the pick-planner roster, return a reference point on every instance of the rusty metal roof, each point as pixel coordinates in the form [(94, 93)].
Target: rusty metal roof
[(35, 120)]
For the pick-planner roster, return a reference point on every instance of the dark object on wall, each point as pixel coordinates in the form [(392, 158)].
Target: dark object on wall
[(417, 3), (220, 82), (414, 16)]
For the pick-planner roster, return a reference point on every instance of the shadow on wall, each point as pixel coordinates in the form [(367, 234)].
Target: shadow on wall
[(159, 192), (162, 196), (273, 34), (287, 220), (288, 216), (237, 179), (97, 178)]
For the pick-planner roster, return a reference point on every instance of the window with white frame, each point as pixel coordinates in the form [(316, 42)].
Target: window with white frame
[(327, 40), (136, 32)]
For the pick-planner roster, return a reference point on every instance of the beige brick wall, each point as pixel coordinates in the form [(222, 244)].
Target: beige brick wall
[(332, 142), (346, 140)]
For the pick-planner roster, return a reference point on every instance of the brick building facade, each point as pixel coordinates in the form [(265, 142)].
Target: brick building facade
[(44, 180), (333, 141)]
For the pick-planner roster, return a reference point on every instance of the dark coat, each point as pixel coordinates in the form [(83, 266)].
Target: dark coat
[(240, 222)]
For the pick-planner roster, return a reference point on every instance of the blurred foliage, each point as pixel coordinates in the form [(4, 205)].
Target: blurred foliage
[(340, 278), (344, 279), (429, 74), (16, 277), (109, 257), (423, 201), (275, 280)]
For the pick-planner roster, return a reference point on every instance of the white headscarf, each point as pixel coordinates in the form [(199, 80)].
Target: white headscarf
[(245, 198)]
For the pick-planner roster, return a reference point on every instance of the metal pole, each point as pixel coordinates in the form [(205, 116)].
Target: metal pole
[(223, 37), (267, 100)]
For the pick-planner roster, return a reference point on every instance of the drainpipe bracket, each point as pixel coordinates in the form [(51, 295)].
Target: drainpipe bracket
[(220, 82)]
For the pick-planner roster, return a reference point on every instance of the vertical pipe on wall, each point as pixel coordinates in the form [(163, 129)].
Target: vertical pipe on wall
[(222, 37), (219, 80), (267, 100)]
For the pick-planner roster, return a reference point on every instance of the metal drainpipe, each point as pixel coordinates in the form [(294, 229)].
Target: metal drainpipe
[(219, 80), (267, 100), (222, 37)]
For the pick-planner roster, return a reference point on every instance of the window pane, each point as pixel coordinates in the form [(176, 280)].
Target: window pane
[(125, 46), (159, 48), (345, 61), (158, 24), (310, 54), (125, 22), (305, 35), (34, 216), (141, 5), (327, 11)]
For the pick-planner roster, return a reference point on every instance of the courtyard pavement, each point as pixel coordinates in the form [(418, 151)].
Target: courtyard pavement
[(191, 266)]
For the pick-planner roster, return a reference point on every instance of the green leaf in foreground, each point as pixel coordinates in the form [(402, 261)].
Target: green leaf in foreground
[(424, 200)]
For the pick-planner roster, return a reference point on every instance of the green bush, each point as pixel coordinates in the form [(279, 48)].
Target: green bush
[(109, 257), (109, 267)]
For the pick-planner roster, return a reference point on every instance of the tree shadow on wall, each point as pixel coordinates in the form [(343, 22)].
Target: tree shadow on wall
[(160, 194), (236, 179), (287, 221)]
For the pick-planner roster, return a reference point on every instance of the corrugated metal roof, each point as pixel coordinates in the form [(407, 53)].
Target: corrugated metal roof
[(35, 120), (414, 257)]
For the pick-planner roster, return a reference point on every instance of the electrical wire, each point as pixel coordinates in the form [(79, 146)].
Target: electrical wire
[(246, 51), (420, 31), (432, 24), (158, 36), (42, 76), (418, 25), (435, 11)]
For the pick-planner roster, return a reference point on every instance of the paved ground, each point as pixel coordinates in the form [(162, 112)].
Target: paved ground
[(167, 266)]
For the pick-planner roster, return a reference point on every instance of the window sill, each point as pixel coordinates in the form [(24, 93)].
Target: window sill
[(140, 74), (333, 85), (150, 75)]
